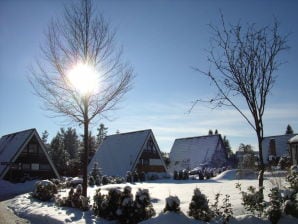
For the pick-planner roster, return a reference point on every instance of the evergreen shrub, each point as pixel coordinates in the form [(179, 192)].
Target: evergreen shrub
[(44, 190), (198, 207)]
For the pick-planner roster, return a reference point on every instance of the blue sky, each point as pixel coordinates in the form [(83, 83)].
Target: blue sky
[(162, 39)]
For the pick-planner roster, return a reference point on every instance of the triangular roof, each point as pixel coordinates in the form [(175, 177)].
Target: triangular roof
[(120, 153), (194, 151), (281, 145), (12, 145)]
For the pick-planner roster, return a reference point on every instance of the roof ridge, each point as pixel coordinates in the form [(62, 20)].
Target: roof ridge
[(199, 136), (18, 132), (131, 132), (280, 135)]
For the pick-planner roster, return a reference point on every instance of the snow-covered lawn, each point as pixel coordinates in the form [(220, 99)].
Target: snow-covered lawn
[(48, 212)]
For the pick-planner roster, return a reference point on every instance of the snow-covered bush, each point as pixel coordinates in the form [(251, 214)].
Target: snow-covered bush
[(284, 162), (75, 199), (44, 190), (73, 182), (274, 209), (99, 204), (291, 194), (95, 176), (125, 212), (120, 206), (143, 208), (172, 204), (291, 207), (223, 213), (292, 178), (106, 206), (198, 207), (253, 200), (112, 180)]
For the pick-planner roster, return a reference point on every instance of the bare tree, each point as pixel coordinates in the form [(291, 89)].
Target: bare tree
[(243, 61), (80, 37)]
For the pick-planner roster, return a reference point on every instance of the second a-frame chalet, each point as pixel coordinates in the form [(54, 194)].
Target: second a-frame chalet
[(133, 151), (23, 155)]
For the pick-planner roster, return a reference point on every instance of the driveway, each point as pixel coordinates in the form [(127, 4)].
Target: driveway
[(8, 217)]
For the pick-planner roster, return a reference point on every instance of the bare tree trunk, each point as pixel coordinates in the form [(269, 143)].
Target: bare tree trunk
[(86, 149), (262, 166)]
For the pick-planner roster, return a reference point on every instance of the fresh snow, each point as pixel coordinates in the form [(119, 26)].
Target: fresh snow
[(47, 212)]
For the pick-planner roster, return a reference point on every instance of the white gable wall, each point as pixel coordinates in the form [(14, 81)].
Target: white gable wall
[(281, 145)]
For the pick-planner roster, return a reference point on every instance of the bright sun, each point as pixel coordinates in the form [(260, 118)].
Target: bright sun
[(83, 78)]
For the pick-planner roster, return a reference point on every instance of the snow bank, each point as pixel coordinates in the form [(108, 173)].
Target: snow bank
[(236, 175), (9, 190), (170, 218)]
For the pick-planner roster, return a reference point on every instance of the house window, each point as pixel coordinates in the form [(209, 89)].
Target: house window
[(44, 167), (150, 146), (146, 162), (33, 148), (34, 166), (26, 166)]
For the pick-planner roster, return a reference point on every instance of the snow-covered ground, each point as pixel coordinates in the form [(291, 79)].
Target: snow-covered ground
[(48, 212)]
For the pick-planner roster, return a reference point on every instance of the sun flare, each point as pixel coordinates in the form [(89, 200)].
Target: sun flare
[(83, 78)]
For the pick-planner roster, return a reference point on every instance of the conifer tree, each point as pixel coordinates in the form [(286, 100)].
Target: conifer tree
[(289, 130), (198, 207), (102, 133)]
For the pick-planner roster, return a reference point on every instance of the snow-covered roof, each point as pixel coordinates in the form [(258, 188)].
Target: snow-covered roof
[(281, 145), (193, 152), (293, 139), (11, 146), (118, 153)]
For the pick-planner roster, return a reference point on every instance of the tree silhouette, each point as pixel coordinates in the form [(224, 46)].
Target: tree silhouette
[(84, 38), (243, 60)]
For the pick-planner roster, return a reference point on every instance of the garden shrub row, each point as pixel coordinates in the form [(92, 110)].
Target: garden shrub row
[(119, 205)]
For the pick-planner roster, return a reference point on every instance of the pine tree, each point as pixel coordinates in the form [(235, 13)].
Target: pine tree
[(198, 207), (71, 142), (172, 204), (58, 154), (126, 210), (289, 130), (44, 137), (102, 133), (143, 207)]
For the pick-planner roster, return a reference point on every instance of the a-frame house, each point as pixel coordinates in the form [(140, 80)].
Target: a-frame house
[(200, 151), (23, 155), (133, 151)]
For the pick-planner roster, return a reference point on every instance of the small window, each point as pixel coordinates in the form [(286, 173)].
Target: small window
[(33, 148), (44, 167), (26, 166), (34, 166), (146, 162)]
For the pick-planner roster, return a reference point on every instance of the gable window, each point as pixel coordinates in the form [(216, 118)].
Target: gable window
[(44, 167), (34, 166), (150, 146), (146, 162), (33, 148), (26, 166), (24, 152)]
